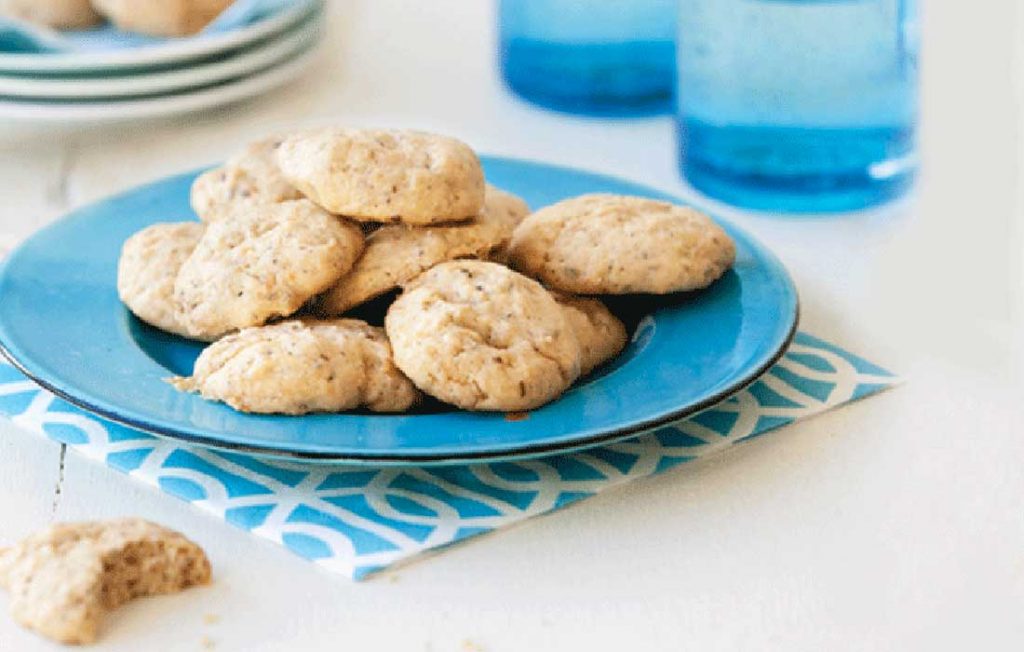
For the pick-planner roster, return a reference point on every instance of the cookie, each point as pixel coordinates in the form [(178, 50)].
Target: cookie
[(249, 178), (260, 263), (59, 14), (512, 210), (612, 244), (302, 366), (482, 337), (148, 266), (161, 17), (600, 334), (64, 579), (397, 253), (373, 175)]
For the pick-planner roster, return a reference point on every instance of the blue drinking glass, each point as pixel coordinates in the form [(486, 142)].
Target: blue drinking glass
[(593, 57), (798, 105)]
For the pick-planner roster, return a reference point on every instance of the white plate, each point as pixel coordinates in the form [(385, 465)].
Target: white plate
[(157, 55), (259, 57), (155, 107)]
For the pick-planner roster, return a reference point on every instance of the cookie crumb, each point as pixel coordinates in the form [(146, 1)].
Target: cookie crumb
[(211, 619), (517, 416)]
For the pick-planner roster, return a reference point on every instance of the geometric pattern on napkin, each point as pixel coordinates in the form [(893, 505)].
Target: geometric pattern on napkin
[(357, 520)]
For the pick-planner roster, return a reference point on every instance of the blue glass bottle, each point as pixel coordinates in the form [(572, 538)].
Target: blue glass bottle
[(594, 57), (798, 105)]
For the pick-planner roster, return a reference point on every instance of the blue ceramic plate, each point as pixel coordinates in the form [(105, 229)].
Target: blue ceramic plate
[(62, 324)]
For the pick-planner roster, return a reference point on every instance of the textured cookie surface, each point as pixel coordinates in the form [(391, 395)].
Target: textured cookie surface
[(59, 14), (260, 263), (482, 337), (303, 366), (161, 17), (63, 580), (600, 334), (612, 244), (385, 175), (148, 266), (397, 253), (249, 178)]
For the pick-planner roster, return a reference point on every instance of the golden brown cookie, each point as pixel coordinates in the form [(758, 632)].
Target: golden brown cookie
[(161, 17), (600, 333), (482, 337), (302, 366), (513, 210), (148, 267), (614, 244), (64, 579), (249, 178), (59, 14), (376, 175), (260, 263), (396, 253)]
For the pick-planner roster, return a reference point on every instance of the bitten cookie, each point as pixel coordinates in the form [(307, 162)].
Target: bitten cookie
[(375, 175), (249, 178), (59, 14), (482, 337), (600, 333), (302, 366), (149, 264), (612, 244), (260, 263), (397, 253), (161, 17), (63, 580)]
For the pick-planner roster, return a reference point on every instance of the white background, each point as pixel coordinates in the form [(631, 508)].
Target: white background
[(895, 523)]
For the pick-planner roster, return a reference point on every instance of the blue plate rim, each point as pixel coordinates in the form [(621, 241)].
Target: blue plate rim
[(520, 452), (511, 452)]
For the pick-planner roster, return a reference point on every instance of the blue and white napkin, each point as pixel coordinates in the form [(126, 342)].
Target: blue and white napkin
[(356, 521)]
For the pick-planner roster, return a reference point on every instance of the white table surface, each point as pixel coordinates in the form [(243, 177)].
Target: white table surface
[(892, 524)]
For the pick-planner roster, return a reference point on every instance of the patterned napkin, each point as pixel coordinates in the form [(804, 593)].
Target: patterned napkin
[(355, 521)]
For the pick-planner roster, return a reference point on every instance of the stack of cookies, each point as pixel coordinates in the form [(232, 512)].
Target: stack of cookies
[(298, 232)]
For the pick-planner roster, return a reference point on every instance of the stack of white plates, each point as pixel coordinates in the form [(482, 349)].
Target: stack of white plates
[(164, 77)]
